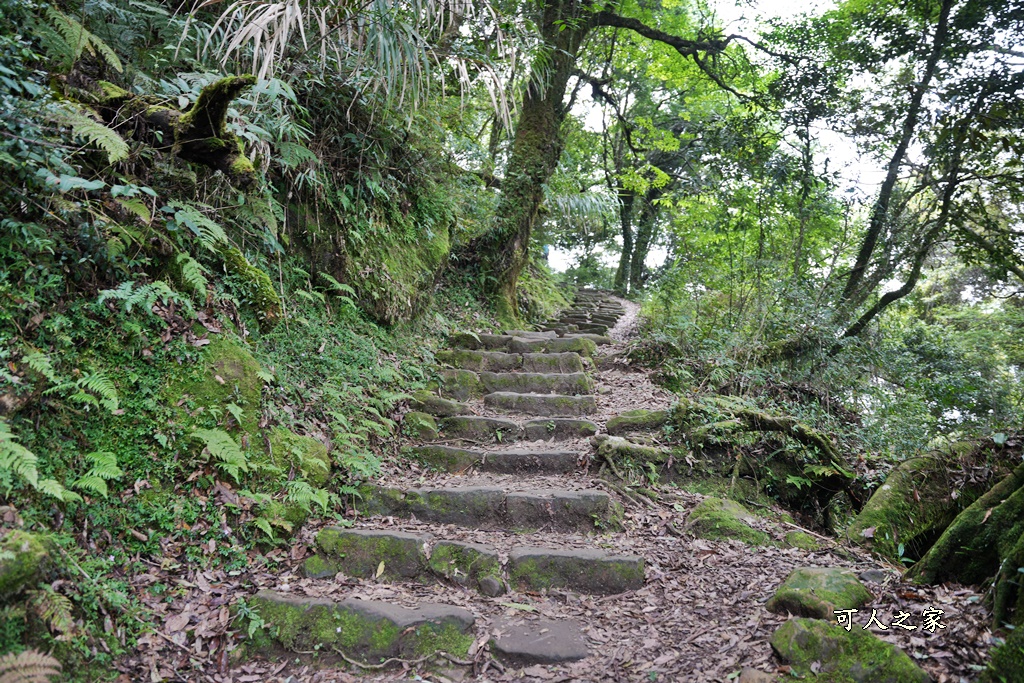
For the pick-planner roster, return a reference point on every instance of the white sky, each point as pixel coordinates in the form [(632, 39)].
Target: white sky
[(741, 17)]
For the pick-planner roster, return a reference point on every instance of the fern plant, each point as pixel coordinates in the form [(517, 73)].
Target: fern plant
[(210, 233), (66, 40), (192, 276), (30, 666), (85, 126), (225, 451), (55, 610), (104, 468), (145, 296)]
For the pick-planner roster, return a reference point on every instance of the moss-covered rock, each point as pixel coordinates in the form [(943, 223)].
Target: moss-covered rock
[(584, 570), (23, 559), (426, 402), (465, 340), (720, 519), (801, 540), (1007, 663), (419, 425), (227, 373), (914, 505), (461, 384), (637, 420), (284, 517), (854, 656), (365, 630), (259, 288), (302, 454), (817, 592), (617, 448)]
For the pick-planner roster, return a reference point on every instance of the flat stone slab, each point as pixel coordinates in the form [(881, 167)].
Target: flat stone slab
[(598, 339), (636, 420), (359, 553), (542, 404), (558, 429), (484, 507), (366, 630), (584, 570), (583, 347), (571, 384), (561, 510), (428, 403), (538, 641), (817, 592), (481, 428), (460, 384), (541, 334), (477, 361), (451, 459), (552, 362)]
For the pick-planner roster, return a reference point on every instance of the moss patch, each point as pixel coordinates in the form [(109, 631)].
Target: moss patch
[(303, 454), (466, 564), (419, 425), (818, 592), (426, 402), (801, 540), (260, 291), (1007, 663), (719, 519), (854, 656), (227, 373), (23, 559), (635, 420)]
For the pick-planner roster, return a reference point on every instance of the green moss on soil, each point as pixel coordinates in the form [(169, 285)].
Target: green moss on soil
[(1007, 663), (803, 541)]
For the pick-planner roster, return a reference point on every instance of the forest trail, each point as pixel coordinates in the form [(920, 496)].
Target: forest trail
[(509, 538)]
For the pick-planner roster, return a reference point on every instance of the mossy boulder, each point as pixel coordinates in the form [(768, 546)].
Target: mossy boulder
[(419, 425), (841, 656), (226, 373), (1007, 663), (720, 519), (817, 592), (914, 505), (302, 454), (618, 448), (24, 557), (637, 420)]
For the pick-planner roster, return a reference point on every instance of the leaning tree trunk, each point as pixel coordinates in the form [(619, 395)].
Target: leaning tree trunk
[(985, 541), (536, 147), (628, 201)]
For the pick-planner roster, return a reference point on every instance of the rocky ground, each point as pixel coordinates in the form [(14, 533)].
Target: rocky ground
[(700, 614)]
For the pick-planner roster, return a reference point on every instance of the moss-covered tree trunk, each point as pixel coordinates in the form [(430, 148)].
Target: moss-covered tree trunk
[(628, 200), (536, 148), (644, 239), (985, 541)]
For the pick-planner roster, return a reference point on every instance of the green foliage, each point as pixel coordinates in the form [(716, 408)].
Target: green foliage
[(85, 126), (104, 468), (225, 451), (29, 666), (66, 40)]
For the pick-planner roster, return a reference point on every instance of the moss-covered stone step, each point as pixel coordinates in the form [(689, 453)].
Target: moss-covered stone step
[(582, 570), (534, 334), (366, 630), (636, 420), (596, 339), (817, 592), (541, 404), (468, 564), (484, 507), (826, 652), (499, 361), (558, 429), (359, 553), (431, 404), (530, 461), (572, 383), (583, 347), (474, 341), (475, 428), (593, 328)]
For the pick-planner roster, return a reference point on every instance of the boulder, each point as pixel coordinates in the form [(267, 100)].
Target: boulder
[(818, 592)]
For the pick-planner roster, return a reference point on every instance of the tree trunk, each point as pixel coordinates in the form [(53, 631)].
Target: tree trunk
[(536, 148), (628, 201), (644, 238)]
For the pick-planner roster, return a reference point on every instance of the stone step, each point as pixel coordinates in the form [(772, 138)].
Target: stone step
[(526, 461), (476, 428), (558, 429), (535, 334), (597, 339), (580, 570), (583, 347), (498, 361), (592, 328), (522, 641), (541, 404), (484, 507), (571, 384), (426, 402), (365, 630)]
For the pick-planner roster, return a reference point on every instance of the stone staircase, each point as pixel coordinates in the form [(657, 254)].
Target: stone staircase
[(507, 433)]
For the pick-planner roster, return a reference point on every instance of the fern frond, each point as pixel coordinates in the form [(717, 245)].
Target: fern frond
[(144, 297), (192, 275), (209, 232), (135, 206), (102, 386), (16, 458), (56, 490), (54, 609), (301, 493), (30, 666), (84, 125), (41, 363), (104, 468), (225, 451), (79, 39)]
